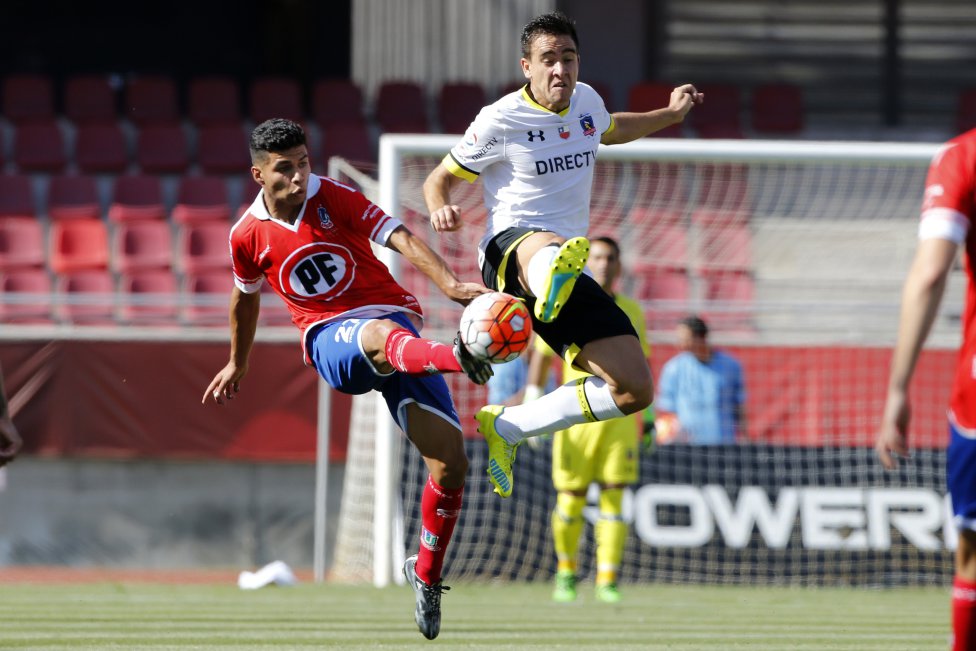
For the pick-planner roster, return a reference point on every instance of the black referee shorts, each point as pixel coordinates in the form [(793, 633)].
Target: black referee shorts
[(589, 314)]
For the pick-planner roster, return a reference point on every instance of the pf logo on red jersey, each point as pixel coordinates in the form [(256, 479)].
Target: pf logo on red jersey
[(318, 270)]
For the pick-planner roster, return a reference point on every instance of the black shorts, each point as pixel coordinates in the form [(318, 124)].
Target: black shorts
[(589, 314)]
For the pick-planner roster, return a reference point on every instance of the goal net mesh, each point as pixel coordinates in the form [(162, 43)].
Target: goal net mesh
[(796, 263)]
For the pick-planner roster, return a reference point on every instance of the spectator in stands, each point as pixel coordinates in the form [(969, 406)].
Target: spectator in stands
[(701, 391), (10, 441), (948, 211), (536, 149), (309, 238), (604, 452)]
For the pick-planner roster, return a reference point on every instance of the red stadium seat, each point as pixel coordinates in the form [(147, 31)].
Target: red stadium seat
[(162, 149), (336, 101), (101, 149), (136, 197), (720, 116), (28, 98), (206, 297), (201, 198), (213, 100), (151, 100), (401, 107), (604, 91), (349, 141), (25, 296), (87, 297), (39, 147), (725, 246), (650, 95), (73, 197), (667, 289), (458, 104), (21, 243), (16, 196), (204, 247), (777, 109), (723, 189), (77, 244), (729, 296), (142, 245), (90, 99), (149, 297), (222, 149), (275, 97)]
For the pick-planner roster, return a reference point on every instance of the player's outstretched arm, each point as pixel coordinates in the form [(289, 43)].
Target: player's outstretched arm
[(631, 126), (426, 260), (244, 310), (444, 216), (920, 300)]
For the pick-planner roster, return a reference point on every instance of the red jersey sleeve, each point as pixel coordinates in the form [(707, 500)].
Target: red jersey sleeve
[(361, 214), (247, 274), (948, 204)]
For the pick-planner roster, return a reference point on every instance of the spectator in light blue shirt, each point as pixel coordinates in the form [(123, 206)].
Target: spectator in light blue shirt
[(701, 392)]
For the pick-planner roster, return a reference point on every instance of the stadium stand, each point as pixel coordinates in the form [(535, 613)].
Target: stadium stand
[(21, 243), (162, 149), (275, 97), (337, 101), (720, 116), (16, 198), (648, 95), (966, 110), (30, 289), (86, 297), (201, 198), (777, 109), (78, 244), (28, 98), (458, 103), (213, 100), (350, 141), (222, 149), (203, 247), (206, 295), (141, 245), (39, 146), (401, 107), (90, 99), (148, 297), (152, 99), (101, 149), (73, 196), (136, 197)]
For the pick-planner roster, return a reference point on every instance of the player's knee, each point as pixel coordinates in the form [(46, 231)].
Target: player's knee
[(635, 393), (450, 468)]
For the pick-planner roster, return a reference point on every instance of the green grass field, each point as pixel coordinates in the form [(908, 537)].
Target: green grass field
[(476, 616)]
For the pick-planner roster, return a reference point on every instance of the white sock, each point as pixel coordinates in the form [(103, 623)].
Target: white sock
[(558, 410), (539, 265)]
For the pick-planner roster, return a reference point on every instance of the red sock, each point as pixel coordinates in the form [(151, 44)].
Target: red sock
[(963, 614), (439, 509), (415, 356)]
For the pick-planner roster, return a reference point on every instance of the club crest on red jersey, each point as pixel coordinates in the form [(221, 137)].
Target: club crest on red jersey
[(324, 218), (318, 270)]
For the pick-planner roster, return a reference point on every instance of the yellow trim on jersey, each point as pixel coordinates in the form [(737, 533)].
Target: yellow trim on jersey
[(613, 125), (500, 280), (458, 170), (534, 104), (584, 403)]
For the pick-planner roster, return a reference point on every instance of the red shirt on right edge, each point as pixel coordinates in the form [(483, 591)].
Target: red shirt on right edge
[(948, 212)]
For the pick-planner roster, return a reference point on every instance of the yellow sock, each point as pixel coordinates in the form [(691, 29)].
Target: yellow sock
[(567, 524), (611, 535)]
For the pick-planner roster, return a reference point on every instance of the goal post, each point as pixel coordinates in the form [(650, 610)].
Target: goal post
[(794, 251)]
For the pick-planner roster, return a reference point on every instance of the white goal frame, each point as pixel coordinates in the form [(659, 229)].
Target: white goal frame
[(394, 148)]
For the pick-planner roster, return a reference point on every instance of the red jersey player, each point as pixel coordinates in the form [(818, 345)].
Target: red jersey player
[(948, 210), (309, 238)]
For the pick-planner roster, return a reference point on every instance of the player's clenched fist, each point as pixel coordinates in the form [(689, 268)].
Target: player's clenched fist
[(684, 97), (446, 218)]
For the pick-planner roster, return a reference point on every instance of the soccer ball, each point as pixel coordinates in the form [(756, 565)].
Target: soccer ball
[(496, 327)]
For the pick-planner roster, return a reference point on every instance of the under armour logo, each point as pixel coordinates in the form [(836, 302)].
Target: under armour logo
[(536, 134)]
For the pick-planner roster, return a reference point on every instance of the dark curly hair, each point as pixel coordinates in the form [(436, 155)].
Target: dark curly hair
[(275, 135), (554, 24)]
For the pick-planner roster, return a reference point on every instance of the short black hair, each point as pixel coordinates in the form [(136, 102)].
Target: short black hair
[(275, 135), (609, 241), (555, 23), (696, 325)]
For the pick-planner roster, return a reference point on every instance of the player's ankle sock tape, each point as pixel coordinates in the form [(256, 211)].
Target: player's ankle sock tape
[(539, 266), (600, 399)]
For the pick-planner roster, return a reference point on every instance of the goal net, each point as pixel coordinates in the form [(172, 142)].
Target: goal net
[(794, 253)]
